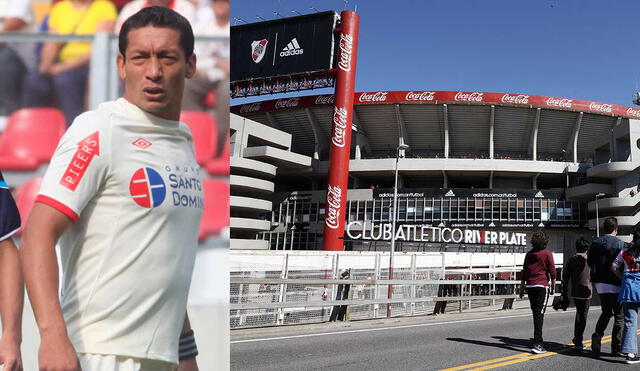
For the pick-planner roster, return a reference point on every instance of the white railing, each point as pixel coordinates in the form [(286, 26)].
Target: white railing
[(271, 288)]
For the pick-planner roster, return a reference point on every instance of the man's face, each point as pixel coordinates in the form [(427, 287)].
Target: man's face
[(154, 71)]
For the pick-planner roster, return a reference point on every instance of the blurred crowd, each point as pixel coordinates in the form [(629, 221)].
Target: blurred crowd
[(55, 74)]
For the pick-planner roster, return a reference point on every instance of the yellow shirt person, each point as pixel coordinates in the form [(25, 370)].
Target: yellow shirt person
[(79, 18)]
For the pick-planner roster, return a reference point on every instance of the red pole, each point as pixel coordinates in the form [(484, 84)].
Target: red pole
[(338, 177)]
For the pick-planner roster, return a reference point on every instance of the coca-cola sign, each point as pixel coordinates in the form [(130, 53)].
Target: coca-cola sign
[(250, 107), (468, 97), (560, 102), (633, 112), (515, 99), (346, 49), (334, 200), (601, 107), (287, 102), (379, 96), (421, 96), (339, 126), (325, 99)]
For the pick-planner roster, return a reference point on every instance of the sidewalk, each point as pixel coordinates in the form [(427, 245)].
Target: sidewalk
[(520, 306)]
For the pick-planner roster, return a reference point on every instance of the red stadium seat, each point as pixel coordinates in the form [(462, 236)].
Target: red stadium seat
[(204, 128), (215, 216), (30, 138), (220, 165), (25, 198)]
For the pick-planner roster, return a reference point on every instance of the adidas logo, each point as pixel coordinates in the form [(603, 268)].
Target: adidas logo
[(450, 194), (492, 224), (292, 48), (539, 195)]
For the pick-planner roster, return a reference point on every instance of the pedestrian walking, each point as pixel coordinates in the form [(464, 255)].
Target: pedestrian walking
[(600, 256), (576, 276), (627, 266), (538, 268)]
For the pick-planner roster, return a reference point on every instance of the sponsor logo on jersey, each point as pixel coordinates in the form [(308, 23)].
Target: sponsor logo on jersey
[(147, 188), (87, 149), (141, 143), (258, 48), (292, 48)]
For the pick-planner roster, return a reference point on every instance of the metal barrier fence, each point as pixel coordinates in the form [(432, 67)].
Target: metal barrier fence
[(300, 293)]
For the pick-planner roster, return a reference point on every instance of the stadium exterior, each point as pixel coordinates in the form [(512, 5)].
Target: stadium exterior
[(482, 171)]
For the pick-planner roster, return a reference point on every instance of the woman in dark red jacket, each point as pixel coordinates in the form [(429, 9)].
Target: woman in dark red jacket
[(537, 269)]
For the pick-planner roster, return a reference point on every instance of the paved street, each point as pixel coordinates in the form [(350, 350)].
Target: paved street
[(469, 341)]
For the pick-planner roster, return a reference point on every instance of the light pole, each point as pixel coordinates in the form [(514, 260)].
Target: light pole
[(401, 147), (598, 219)]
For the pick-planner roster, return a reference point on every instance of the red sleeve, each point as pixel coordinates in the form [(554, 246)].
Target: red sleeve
[(525, 268), (58, 206), (552, 265)]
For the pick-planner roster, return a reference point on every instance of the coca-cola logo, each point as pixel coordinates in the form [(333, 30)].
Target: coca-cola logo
[(379, 96), (468, 97), (515, 99), (325, 99), (346, 49), (633, 112), (339, 137), (334, 200), (421, 96), (560, 102), (287, 102), (601, 107), (250, 107)]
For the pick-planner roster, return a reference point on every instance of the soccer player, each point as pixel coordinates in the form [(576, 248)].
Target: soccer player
[(123, 198), (11, 286)]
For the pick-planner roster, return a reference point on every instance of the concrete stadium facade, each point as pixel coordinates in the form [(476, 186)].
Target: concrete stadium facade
[(481, 170)]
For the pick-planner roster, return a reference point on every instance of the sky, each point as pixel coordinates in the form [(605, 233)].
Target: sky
[(580, 49)]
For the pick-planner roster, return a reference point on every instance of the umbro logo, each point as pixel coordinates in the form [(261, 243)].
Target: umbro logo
[(539, 195), (450, 194), (141, 143), (292, 48)]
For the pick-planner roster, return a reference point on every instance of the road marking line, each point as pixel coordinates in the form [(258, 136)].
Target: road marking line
[(516, 358), (484, 362), (388, 328)]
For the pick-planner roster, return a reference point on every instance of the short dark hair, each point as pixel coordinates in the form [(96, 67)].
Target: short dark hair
[(158, 16), (582, 244), (539, 240), (610, 225)]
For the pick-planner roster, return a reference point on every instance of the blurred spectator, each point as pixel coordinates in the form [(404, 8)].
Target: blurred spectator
[(183, 7), (212, 73), (64, 67), (15, 16)]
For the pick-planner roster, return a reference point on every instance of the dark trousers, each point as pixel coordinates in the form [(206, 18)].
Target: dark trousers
[(537, 298), (611, 308), (582, 311), (12, 71), (67, 89)]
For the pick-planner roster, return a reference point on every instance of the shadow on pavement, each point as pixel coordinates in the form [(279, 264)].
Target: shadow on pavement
[(524, 345)]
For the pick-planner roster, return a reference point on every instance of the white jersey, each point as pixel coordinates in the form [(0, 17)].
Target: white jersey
[(130, 182)]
